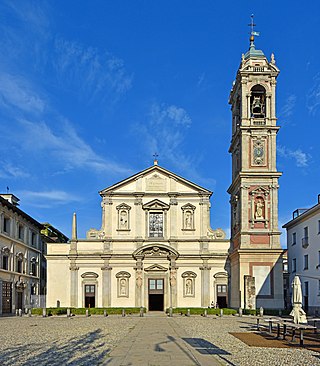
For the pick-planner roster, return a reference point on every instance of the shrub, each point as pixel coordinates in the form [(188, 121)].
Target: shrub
[(199, 311)]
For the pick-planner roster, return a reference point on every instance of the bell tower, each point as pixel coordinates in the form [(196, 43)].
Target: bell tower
[(255, 253)]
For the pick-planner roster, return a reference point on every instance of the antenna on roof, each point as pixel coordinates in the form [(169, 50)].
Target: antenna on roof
[(7, 189)]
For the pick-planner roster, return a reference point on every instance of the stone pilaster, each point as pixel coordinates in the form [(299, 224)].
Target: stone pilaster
[(205, 283), (138, 217), (106, 284), (173, 216), (173, 281), (73, 284)]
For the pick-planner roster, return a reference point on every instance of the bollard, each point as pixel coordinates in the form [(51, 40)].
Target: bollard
[(280, 312), (205, 313), (44, 312), (261, 311), (29, 313), (240, 311), (141, 311), (87, 312), (123, 312), (17, 312), (170, 312), (68, 313), (221, 312), (20, 312), (188, 312), (105, 313)]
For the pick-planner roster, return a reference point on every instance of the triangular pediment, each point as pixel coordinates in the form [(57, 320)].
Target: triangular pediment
[(155, 179), (156, 268), (156, 205)]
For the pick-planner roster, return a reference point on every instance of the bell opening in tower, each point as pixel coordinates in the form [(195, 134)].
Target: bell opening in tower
[(257, 102)]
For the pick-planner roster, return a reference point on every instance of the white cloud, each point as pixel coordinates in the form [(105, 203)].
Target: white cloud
[(313, 97), (9, 170), (47, 199), (95, 74), (17, 92), (287, 110), (301, 158), (67, 146)]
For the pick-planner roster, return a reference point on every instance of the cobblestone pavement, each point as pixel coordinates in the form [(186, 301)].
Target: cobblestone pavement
[(89, 341)]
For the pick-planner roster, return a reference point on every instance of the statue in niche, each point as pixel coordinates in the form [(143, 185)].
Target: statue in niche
[(188, 220), (123, 286), (259, 210), (189, 286), (123, 219)]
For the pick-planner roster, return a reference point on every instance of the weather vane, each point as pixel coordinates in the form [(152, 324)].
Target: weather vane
[(253, 32)]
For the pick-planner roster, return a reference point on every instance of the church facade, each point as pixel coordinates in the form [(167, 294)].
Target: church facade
[(156, 248)]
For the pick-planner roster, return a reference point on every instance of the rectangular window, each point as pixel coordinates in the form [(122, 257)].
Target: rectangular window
[(21, 232), (306, 261), (19, 266), (221, 288), (306, 289), (294, 265), (294, 238), (152, 284), (5, 262), (6, 225), (89, 290), (305, 239), (156, 225), (318, 287), (318, 226), (33, 239)]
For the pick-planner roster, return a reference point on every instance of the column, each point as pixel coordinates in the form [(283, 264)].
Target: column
[(106, 285), (73, 284), (205, 283)]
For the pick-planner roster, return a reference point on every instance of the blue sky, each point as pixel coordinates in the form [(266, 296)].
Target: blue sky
[(90, 90)]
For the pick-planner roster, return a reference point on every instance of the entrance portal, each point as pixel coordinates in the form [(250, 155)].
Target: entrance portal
[(6, 297), (90, 296), (156, 294)]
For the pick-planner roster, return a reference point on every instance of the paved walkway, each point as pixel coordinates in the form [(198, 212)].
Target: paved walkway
[(157, 341)]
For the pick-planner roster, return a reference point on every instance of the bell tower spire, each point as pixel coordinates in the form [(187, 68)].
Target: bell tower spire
[(255, 237)]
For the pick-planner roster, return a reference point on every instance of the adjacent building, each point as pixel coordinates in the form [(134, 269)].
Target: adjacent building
[(303, 241), (20, 256)]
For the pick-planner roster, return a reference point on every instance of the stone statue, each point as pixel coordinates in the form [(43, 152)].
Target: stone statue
[(123, 220), (123, 286), (188, 220), (259, 210), (189, 286)]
